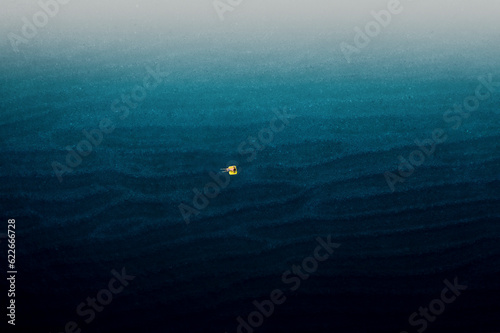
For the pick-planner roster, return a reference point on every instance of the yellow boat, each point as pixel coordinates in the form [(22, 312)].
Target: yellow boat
[(231, 169)]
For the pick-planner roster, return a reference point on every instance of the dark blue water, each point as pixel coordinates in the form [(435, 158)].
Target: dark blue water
[(320, 175)]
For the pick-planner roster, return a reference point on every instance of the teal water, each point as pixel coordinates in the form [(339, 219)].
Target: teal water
[(322, 174)]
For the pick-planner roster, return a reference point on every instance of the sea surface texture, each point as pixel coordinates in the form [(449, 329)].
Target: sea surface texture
[(110, 157)]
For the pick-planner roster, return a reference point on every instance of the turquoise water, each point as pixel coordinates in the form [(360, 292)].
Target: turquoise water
[(322, 174)]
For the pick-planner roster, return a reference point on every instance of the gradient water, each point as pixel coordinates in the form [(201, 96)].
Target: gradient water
[(323, 174)]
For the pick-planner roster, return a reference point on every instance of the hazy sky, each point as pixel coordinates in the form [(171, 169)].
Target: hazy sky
[(104, 18)]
